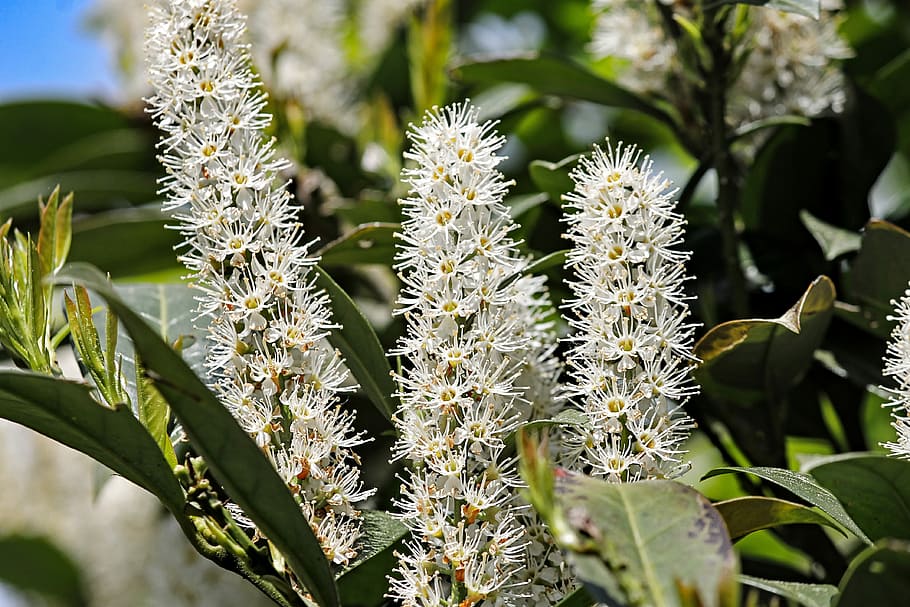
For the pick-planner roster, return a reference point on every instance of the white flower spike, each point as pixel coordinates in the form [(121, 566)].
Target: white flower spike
[(897, 365), (631, 345), (479, 360), (268, 357)]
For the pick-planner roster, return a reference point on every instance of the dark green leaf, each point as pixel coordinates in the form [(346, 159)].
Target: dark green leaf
[(360, 346), (370, 243), (364, 582), (748, 366), (880, 575), (66, 412), (554, 76), (875, 279), (751, 128), (33, 564), (232, 455), (803, 486), (890, 83), (578, 598), (874, 489), (833, 240), (633, 543), (807, 595), (553, 178), (745, 515)]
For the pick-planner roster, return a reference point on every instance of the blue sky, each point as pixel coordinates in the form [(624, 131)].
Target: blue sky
[(46, 51)]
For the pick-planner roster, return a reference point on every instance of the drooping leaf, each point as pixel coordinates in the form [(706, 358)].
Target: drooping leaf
[(551, 75), (232, 455), (803, 486), (34, 564), (874, 279), (634, 543), (874, 489), (364, 582), (748, 366), (834, 241), (66, 412), (369, 243), (745, 515), (552, 178), (807, 595), (360, 346), (880, 575)]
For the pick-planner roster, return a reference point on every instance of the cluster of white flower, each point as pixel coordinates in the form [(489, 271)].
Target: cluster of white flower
[(268, 357), (897, 365), (791, 65), (631, 355), (298, 48), (479, 360)]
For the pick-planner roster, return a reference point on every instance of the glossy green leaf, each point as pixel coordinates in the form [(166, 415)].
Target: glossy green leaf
[(232, 455), (551, 75), (807, 595), (360, 346), (874, 489), (364, 582), (553, 178), (66, 412), (108, 240), (803, 486), (834, 241), (748, 366), (369, 243), (809, 8), (523, 203), (875, 279), (745, 515), (633, 543), (880, 575), (34, 564)]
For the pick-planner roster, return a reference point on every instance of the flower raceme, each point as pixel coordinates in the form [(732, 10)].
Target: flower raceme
[(631, 347), (479, 360), (897, 365), (268, 358)]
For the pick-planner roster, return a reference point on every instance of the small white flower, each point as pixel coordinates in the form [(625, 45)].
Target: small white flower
[(631, 346), (897, 365)]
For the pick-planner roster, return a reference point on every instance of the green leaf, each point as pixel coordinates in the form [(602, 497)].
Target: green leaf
[(553, 178), (803, 486), (66, 412), (552, 260), (34, 564), (750, 128), (833, 240), (364, 582), (232, 455), (577, 598), (360, 346), (369, 243), (640, 543), (108, 240), (807, 595), (874, 489), (745, 515), (748, 366), (522, 203), (890, 83), (809, 8), (880, 575), (551, 75), (875, 279)]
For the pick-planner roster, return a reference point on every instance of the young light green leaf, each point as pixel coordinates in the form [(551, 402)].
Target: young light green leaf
[(803, 486), (874, 489), (745, 515), (807, 595), (233, 457), (360, 346), (880, 575)]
